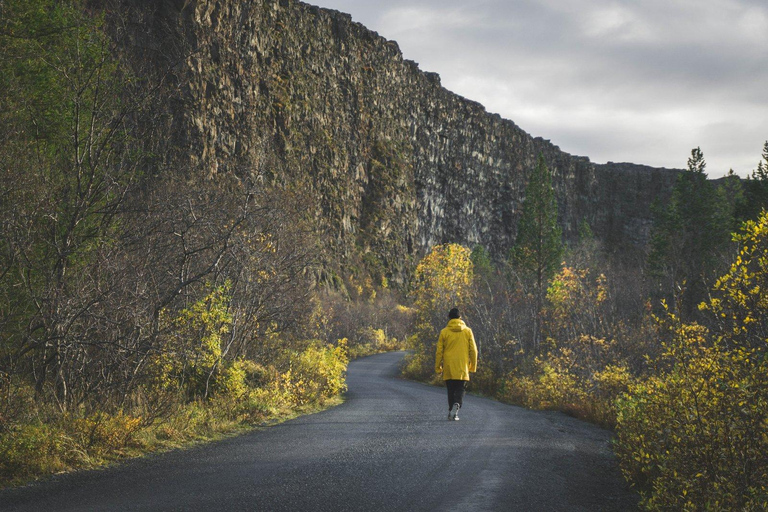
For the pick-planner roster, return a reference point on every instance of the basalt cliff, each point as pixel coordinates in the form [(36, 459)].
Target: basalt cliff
[(288, 92)]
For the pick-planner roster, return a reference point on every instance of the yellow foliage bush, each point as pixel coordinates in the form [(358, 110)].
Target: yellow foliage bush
[(611, 382), (103, 432), (443, 279), (740, 297), (695, 435), (373, 341), (553, 386), (191, 358), (421, 364), (230, 381), (484, 381), (316, 374), (578, 378), (695, 438), (576, 304), (33, 449)]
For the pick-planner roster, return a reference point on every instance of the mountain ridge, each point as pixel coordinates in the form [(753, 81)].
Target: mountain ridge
[(300, 94)]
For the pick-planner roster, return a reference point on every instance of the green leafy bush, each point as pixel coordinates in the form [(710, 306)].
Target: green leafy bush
[(30, 450)]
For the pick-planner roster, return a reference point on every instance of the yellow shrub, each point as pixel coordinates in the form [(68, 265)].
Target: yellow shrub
[(612, 381), (420, 365), (231, 381), (551, 387), (558, 388), (562, 380), (317, 373), (484, 381), (36, 449), (192, 353), (575, 303), (443, 279), (372, 341), (740, 297), (101, 432), (695, 438), (515, 390)]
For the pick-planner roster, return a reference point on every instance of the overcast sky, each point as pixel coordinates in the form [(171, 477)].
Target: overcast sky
[(641, 81)]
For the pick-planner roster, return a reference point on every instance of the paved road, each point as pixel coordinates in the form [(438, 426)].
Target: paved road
[(388, 447)]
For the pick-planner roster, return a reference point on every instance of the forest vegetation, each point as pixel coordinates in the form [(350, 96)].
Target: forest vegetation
[(668, 349), (143, 306)]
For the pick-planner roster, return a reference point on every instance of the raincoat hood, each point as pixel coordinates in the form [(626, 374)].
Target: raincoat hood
[(456, 324)]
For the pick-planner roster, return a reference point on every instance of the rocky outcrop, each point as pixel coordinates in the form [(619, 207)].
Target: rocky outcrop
[(394, 163), (623, 200)]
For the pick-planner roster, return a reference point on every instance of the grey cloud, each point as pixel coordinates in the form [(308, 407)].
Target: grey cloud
[(623, 80)]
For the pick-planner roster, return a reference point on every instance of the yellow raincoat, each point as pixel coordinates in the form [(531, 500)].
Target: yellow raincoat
[(456, 353)]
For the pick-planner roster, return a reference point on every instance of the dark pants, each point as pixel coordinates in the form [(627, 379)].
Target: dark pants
[(455, 391)]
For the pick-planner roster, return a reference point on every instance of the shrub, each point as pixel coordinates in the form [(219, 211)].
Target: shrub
[(421, 364), (102, 433), (484, 381), (317, 373), (577, 303), (191, 356), (581, 377), (30, 450), (235, 377), (372, 341), (443, 279), (695, 438), (553, 386)]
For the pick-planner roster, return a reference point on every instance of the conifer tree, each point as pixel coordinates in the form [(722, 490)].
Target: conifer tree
[(690, 236), (481, 261), (538, 247), (756, 190)]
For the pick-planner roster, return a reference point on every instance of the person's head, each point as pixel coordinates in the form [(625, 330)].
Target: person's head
[(454, 313)]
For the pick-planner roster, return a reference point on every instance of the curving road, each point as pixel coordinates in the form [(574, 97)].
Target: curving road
[(388, 447)]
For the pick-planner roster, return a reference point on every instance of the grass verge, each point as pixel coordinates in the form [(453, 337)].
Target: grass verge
[(33, 451)]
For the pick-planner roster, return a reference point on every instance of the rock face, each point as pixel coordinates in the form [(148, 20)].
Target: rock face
[(394, 162)]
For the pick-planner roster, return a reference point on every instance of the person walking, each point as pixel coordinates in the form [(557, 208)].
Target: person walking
[(456, 358)]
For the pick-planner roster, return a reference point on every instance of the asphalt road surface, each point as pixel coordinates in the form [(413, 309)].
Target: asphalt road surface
[(388, 447)]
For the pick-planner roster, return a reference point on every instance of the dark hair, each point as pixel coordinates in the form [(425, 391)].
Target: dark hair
[(454, 313)]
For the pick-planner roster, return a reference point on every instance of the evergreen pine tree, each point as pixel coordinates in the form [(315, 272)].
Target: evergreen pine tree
[(689, 236), (538, 247), (481, 261), (756, 190)]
